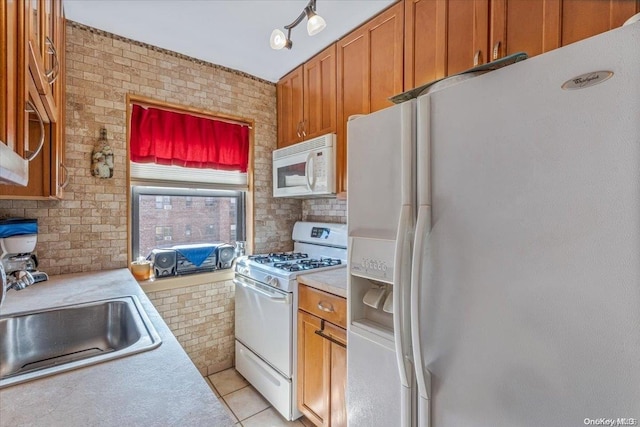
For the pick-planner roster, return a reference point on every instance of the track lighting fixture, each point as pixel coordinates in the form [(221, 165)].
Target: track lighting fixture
[(315, 24)]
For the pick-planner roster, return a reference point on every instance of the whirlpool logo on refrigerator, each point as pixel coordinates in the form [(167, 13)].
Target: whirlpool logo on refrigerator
[(587, 80)]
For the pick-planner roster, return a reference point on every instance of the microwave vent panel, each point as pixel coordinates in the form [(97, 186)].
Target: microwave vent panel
[(312, 144)]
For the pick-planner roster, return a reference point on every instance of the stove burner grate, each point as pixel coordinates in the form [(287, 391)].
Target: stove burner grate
[(307, 264), (278, 257)]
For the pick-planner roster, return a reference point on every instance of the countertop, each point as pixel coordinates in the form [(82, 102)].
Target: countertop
[(160, 387), (332, 281)]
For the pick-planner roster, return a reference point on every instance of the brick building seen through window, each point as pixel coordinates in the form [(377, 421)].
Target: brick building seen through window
[(185, 219)]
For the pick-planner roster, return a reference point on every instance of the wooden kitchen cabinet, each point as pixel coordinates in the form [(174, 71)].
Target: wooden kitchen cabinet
[(290, 108), (467, 34), (322, 357), (424, 42), (538, 26), (530, 26), (585, 18), (319, 94), (307, 100), (36, 129), (13, 166), (370, 70)]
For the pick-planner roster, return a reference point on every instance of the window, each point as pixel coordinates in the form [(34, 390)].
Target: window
[(163, 233), (163, 202), (222, 219), (189, 176)]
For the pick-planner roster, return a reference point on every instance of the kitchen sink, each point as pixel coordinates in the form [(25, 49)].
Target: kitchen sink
[(39, 343)]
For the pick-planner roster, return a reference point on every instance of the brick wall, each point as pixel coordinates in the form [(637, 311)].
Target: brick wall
[(87, 231), (202, 319), (325, 210)]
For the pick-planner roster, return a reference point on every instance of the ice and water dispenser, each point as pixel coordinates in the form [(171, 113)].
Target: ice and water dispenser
[(371, 281)]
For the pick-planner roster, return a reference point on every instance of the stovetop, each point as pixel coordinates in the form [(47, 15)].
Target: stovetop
[(292, 261), (277, 257), (279, 269)]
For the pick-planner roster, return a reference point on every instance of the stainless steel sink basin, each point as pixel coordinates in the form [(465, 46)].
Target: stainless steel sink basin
[(46, 342)]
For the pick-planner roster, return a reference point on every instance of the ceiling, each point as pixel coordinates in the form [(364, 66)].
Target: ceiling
[(231, 33)]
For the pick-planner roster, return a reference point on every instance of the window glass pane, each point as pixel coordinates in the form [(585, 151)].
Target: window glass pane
[(183, 217)]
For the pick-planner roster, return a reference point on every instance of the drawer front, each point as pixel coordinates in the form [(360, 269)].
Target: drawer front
[(329, 307)]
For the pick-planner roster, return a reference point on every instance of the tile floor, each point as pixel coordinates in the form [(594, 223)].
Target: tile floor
[(245, 405)]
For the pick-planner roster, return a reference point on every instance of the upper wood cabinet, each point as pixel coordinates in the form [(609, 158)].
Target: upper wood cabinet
[(370, 70), (41, 27), (290, 108), (445, 37), (530, 26), (37, 127), (585, 18), (320, 94), (467, 34), (13, 165), (424, 42), (306, 100)]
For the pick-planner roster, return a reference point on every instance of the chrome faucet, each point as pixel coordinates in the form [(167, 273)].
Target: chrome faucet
[(17, 280)]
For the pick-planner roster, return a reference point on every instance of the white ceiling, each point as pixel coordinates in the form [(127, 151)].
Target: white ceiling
[(231, 33)]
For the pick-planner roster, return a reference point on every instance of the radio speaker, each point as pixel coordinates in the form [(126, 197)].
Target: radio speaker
[(164, 262), (226, 253)]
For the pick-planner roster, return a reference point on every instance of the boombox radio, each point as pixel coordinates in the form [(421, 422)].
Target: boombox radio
[(194, 258)]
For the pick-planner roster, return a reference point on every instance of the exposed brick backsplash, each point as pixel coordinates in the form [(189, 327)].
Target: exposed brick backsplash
[(202, 319), (325, 210)]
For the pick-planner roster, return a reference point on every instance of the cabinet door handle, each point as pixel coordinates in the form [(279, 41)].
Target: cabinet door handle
[(31, 109), (327, 337), (66, 176), (325, 308), (476, 58), (304, 126), (496, 50), (52, 74), (298, 129)]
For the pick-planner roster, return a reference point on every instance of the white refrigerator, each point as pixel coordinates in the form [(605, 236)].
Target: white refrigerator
[(494, 247)]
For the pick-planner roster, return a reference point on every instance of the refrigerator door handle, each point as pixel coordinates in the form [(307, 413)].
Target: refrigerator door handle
[(404, 364), (423, 376)]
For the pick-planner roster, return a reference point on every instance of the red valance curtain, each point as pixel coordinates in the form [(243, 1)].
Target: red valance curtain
[(170, 138)]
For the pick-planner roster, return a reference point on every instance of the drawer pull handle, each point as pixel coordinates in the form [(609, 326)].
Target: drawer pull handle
[(326, 308), (327, 337)]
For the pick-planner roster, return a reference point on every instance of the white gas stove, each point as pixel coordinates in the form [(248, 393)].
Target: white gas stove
[(266, 305)]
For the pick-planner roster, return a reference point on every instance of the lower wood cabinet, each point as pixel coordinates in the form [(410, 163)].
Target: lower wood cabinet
[(322, 359)]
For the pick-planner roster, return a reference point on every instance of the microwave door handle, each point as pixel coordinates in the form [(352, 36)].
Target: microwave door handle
[(308, 171)]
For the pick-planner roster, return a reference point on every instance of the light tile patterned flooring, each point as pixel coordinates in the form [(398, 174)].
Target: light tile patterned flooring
[(245, 405)]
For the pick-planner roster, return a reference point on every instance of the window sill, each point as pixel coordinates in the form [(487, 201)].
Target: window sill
[(154, 285)]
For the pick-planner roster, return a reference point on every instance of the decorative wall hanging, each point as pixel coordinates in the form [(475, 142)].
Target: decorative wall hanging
[(102, 157)]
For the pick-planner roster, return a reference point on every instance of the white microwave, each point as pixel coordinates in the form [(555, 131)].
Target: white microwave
[(305, 169)]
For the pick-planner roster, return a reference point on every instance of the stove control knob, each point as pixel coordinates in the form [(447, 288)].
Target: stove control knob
[(243, 270), (273, 281)]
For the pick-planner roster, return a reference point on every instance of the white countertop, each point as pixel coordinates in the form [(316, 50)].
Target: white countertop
[(333, 281), (160, 387)]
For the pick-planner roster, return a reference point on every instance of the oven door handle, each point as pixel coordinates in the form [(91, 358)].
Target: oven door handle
[(273, 296)]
